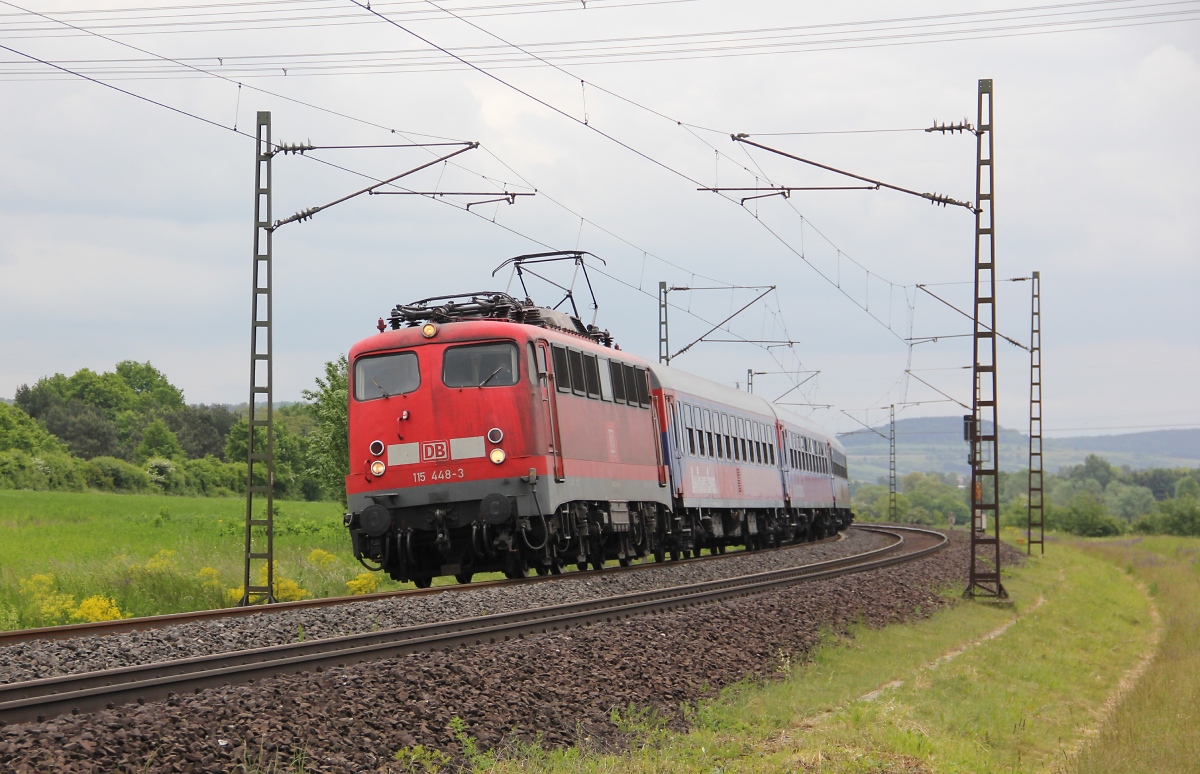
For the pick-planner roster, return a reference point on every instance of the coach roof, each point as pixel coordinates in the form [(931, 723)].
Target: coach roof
[(681, 381)]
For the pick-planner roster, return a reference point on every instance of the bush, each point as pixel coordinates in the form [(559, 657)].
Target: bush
[(17, 471), (165, 475), (213, 478), (45, 471), (110, 474), (1172, 517), (1087, 517), (21, 432)]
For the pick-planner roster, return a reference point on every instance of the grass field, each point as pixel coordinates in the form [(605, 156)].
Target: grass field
[(975, 688), (1156, 727), (154, 554)]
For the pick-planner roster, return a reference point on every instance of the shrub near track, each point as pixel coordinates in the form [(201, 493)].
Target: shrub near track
[(1017, 701), (147, 555)]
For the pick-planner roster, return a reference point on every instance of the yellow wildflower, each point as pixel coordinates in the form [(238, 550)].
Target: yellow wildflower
[(321, 558), (365, 583), (97, 608)]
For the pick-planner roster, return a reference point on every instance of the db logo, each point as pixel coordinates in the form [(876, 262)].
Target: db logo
[(433, 451)]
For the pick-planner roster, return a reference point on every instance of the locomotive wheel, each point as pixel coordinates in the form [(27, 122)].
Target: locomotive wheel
[(542, 569), (516, 573), (423, 581), (556, 567), (464, 577)]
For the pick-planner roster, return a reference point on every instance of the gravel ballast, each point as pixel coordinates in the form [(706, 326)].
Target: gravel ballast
[(48, 658), (559, 687)]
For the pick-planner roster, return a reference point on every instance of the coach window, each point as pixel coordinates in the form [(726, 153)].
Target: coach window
[(606, 386), (591, 376), (691, 433), (771, 449), (675, 424), (386, 375), (562, 375), (742, 435), (481, 365), (618, 380)]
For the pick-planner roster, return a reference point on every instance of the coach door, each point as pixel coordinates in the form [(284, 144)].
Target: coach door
[(671, 454), (546, 383), (660, 445)]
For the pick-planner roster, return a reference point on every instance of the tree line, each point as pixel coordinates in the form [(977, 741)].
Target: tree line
[(1093, 499), (130, 430)]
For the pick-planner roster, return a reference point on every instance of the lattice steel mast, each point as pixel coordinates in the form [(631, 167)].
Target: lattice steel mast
[(664, 347), (261, 376), (984, 428), (1037, 520), (892, 463)]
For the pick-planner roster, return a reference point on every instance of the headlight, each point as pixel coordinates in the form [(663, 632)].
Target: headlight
[(428, 330), (378, 467), (497, 456)]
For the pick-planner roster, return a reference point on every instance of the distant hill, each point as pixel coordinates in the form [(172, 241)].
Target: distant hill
[(936, 444)]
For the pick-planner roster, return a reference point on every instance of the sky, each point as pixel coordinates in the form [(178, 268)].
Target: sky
[(126, 188)]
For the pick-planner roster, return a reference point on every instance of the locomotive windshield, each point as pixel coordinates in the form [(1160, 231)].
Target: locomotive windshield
[(481, 365), (386, 375)]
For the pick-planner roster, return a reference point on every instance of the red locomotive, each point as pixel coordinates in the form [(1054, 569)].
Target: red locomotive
[(489, 434)]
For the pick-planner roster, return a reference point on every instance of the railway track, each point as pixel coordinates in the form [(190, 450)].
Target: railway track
[(172, 619), (37, 700)]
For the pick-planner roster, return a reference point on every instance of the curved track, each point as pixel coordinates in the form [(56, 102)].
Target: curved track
[(172, 619), (37, 700)]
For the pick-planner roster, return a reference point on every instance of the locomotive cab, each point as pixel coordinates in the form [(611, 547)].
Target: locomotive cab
[(443, 458)]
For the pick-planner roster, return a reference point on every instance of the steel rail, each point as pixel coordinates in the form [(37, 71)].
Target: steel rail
[(37, 700), (171, 619)]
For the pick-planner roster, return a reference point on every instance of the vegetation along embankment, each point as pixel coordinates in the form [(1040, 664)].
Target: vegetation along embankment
[(1094, 666), (1093, 499)]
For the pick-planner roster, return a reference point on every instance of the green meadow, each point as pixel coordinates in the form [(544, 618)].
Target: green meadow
[(146, 555)]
